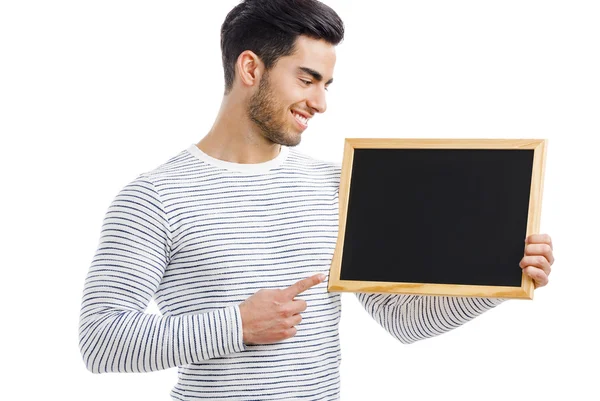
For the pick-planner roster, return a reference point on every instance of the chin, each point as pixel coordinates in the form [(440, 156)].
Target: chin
[(294, 142), (289, 140)]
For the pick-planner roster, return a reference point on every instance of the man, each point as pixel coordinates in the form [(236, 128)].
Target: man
[(233, 237)]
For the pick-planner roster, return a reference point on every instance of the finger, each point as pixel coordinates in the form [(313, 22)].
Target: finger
[(291, 332), (293, 321), (539, 239), (302, 285), (540, 249), (291, 308), (538, 276), (297, 306), (537, 261)]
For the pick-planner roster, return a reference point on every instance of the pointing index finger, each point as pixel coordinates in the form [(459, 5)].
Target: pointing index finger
[(303, 285)]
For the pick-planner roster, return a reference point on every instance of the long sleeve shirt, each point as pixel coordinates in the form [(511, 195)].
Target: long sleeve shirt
[(201, 235)]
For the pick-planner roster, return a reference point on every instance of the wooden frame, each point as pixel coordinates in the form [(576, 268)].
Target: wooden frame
[(525, 291)]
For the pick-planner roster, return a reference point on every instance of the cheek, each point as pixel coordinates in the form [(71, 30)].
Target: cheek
[(278, 99), (286, 96), (291, 96)]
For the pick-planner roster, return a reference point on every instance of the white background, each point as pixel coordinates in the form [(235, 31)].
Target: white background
[(92, 93)]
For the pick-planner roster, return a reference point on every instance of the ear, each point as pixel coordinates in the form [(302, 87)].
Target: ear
[(249, 68)]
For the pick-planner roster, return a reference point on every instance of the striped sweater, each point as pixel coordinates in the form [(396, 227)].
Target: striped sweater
[(201, 235)]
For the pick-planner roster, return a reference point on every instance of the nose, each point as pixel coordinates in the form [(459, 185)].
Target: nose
[(317, 100)]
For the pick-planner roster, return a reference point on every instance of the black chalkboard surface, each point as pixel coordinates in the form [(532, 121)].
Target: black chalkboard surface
[(438, 217)]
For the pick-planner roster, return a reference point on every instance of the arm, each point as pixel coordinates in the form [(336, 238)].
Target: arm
[(115, 335), (410, 318)]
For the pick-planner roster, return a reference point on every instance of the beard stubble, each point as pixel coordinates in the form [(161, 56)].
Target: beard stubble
[(265, 111)]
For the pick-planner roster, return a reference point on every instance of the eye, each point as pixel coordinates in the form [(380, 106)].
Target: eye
[(305, 82)]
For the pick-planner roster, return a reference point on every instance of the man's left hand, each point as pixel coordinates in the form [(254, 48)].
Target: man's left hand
[(538, 258)]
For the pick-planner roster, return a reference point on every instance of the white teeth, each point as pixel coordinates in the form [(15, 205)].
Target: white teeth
[(300, 118)]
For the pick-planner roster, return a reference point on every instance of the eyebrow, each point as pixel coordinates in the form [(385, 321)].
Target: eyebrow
[(315, 74)]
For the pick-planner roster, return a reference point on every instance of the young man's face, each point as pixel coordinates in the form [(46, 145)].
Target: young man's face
[(293, 91)]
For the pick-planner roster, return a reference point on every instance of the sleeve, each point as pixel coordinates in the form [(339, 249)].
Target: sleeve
[(115, 335), (410, 318)]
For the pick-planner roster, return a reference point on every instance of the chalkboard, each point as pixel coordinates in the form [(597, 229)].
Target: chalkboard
[(437, 217)]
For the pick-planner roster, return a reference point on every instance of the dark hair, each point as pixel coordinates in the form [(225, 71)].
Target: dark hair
[(270, 28)]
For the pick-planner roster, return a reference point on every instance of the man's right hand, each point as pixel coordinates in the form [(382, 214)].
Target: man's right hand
[(269, 316)]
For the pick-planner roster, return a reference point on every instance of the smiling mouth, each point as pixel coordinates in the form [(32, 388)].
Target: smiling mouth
[(300, 118)]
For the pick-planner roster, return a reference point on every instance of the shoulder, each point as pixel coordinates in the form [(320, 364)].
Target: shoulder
[(309, 165), (177, 166), (151, 184)]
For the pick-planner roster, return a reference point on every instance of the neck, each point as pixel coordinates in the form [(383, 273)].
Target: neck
[(234, 138)]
